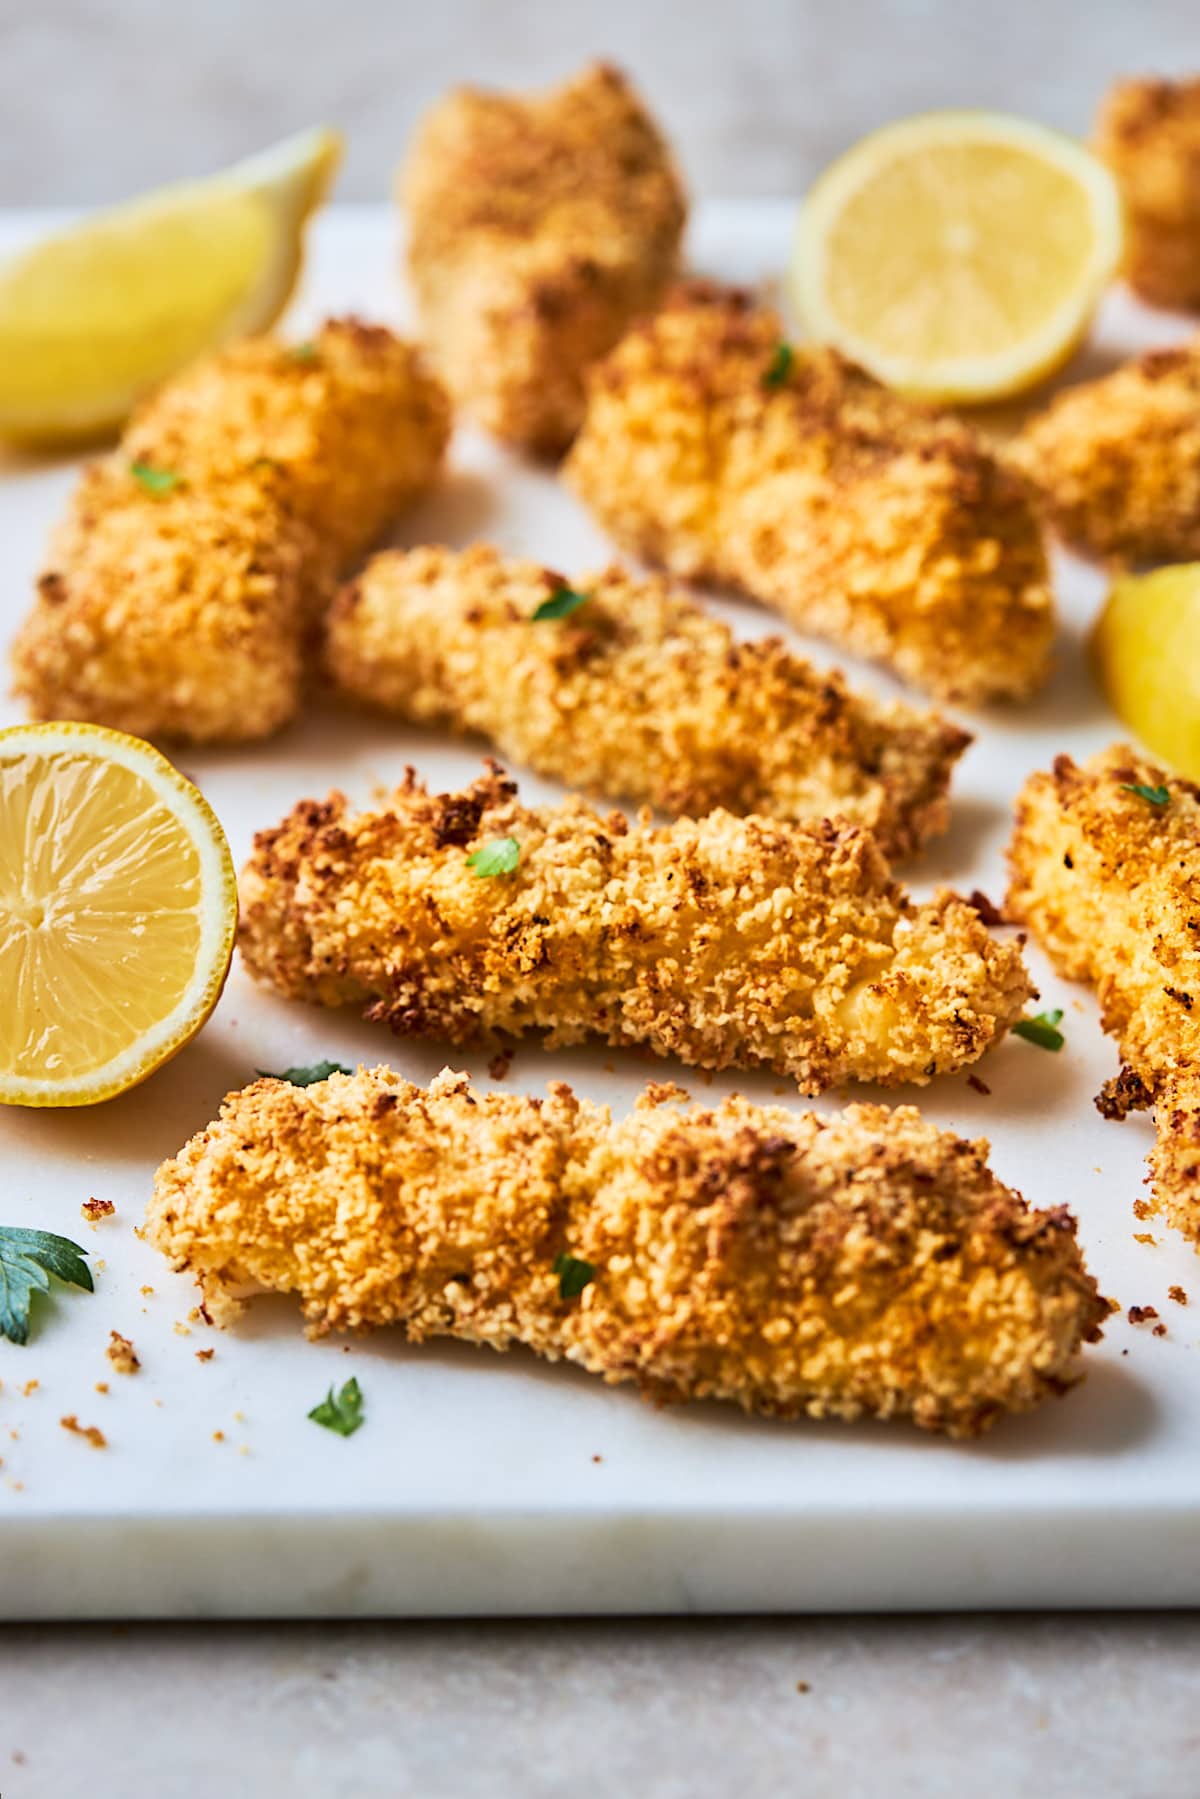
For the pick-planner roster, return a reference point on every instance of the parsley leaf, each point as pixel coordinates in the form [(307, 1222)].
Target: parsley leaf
[(306, 1077), (27, 1260), (341, 1412), (561, 604), (305, 352), (573, 1276), (1042, 1029), (1157, 796), (780, 366), (157, 481), (499, 857)]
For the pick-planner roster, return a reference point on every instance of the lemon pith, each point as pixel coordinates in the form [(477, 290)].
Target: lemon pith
[(1146, 649)]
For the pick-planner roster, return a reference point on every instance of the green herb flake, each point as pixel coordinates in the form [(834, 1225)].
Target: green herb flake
[(561, 604), (499, 857), (27, 1260), (1042, 1029), (305, 352), (157, 481), (780, 366), (1155, 796), (341, 1412), (306, 1077), (573, 1276)]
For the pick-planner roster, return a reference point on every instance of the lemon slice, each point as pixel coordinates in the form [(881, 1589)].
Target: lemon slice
[(118, 908), (93, 318), (958, 255), (1146, 648)]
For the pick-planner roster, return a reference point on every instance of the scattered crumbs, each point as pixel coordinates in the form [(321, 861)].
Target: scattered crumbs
[(1140, 1314), (1124, 1352), (15, 1435), (1142, 1209), (147, 1292), (989, 914), (196, 1316), (96, 1209), (122, 1354), (205, 1355), (1160, 1330), (500, 1064), (239, 1417), (1178, 1295), (802, 1686), (973, 1080), (181, 1329), (18, 1756), (31, 1386), (100, 1265), (1145, 1237), (89, 1432), (158, 1402), (102, 1386), (218, 1436), (597, 1458), (243, 1449)]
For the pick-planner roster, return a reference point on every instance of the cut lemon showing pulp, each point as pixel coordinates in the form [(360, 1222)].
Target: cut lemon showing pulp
[(1147, 653), (118, 908), (94, 317), (958, 255)]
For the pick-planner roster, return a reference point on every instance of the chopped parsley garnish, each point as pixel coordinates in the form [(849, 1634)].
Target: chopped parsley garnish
[(499, 857), (155, 480), (341, 1412), (306, 1077), (780, 366), (305, 352), (27, 1260), (573, 1276), (1042, 1029), (1157, 796), (561, 604)]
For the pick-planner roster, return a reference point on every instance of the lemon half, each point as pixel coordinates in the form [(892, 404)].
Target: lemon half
[(1146, 648), (95, 317), (958, 255), (118, 910)]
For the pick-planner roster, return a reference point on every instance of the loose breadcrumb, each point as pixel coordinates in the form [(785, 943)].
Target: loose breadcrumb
[(96, 1209), (183, 613), (122, 1354), (860, 515), (540, 227), (1149, 134), (1110, 886), (729, 942), (863, 1265), (1178, 1295), (89, 1432), (638, 694)]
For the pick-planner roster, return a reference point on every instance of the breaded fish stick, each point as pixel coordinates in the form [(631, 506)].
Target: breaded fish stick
[(1108, 879), (637, 693), (540, 227), (728, 942), (714, 449), (1117, 461), (866, 1265), (1149, 134), (194, 561)]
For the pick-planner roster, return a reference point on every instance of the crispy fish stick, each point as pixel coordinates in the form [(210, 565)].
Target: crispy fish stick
[(717, 451), (1149, 134), (1108, 879), (1117, 461), (637, 693), (540, 228), (194, 561), (866, 1265), (728, 942)]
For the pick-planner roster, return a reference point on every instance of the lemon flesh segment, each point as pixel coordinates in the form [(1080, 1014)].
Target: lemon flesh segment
[(118, 907), (958, 255), (96, 316), (1146, 648)]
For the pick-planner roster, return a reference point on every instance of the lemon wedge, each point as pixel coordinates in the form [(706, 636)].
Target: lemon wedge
[(1146, 648), (96, 316), (118, 909), (958, 255)]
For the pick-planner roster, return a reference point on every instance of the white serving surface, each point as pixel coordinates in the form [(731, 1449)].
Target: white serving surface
[(502, 1485)]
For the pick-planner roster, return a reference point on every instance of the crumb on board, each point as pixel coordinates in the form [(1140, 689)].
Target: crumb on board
[(102, 1386), (1141, 1314), (89, 1432), (218, 1436), (500, 1064), (1178, 1295), (1145, 1237), (205, 1355), (973, 1080), (182, 1329), (802, 1686), (597, 1458), (122, 1354), (96, 1209), (147, 1292), (1160, 1330), (1142, 1209), (31, 1386)]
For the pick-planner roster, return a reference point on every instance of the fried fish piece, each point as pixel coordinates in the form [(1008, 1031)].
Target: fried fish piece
[(1148, 133), (540, 227), (714, 449), (1106, 874), (1117, 461), (638, 694), (866, 1265), (194, 561), (728, 942)]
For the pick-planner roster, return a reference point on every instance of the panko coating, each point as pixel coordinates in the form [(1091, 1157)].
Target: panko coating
[(540, 227), (638, 694), (716, 450), (728, 942), (865, 1265), (1148, 133), (195, 560)]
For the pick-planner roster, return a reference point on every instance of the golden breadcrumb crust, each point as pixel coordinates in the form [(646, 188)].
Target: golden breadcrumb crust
[(859, 515), (540, 227), (1110, 885), (181, 612), (863, 1265), (728, 942), (1148, 132), (639, 694), (1117, 461)]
